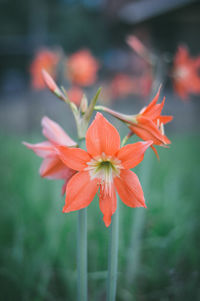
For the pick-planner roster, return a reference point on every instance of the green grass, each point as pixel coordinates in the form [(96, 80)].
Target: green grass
[(38, 241)]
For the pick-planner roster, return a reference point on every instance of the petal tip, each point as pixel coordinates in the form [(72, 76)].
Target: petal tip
[(66, 209), (107, 222), (98, 115)]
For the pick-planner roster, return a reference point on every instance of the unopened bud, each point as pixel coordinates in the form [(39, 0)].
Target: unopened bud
[(83, 104), (51, 84)]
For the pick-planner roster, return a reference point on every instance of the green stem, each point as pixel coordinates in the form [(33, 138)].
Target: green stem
[(113, 258), (82, 249), (82, 255), (138, 224)]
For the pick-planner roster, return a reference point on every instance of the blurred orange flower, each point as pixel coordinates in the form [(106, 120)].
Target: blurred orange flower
[(106, 166), (75, 95), (82, 68), (186, 73), (52, 167), (44, 59), (144, 84), (122, 85)]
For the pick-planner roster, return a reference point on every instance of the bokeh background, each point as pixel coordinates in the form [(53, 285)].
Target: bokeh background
[(159, 257)]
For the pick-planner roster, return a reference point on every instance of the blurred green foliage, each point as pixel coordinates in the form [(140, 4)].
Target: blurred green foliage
[(38, 241)]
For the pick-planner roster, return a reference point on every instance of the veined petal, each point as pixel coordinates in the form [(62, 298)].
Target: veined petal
[(70, 173), (102, 137), (132, 154), (153, 102), (53, 168), (107, 203), (147, 130), (155, 111), (129, 189), (42, 149), (75, 158), (80, 191), (53, 132)]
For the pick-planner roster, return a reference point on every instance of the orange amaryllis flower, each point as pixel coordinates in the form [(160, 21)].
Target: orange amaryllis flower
[(44, 59), (82, 68), (186, 73), (148, 124), (106, 166), (52, 167)]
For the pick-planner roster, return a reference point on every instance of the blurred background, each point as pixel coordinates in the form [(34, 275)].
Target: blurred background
[(159, 247)]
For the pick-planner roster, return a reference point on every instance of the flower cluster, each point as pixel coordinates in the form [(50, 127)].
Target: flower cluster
[(105, 165), (80, 69)]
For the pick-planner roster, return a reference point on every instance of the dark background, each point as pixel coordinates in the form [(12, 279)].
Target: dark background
[(159, 249)]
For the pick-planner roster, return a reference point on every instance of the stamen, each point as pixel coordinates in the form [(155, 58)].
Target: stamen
[(104, 168)]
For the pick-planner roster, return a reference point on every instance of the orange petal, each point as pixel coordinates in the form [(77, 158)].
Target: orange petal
[(132, 154), (80, 191), (165, 119), (153, 102), (129, 189), (155, 111), (43, 149), (147, 130), (53, 132), (53, 168), (107, 204), (75, 158), (70, 174), (156, 152), (102, 137)]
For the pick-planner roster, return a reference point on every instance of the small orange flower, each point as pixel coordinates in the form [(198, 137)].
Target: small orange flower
[(144, 84), (44, 59), (82, 68), (122, 85), (52, 167), (186, 73), (148, 124), (106, 166)]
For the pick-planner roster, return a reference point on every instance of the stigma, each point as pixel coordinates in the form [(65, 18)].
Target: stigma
[(104, 168)]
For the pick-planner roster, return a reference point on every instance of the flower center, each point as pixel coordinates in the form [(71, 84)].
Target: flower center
[(104, 168), (181, 72)]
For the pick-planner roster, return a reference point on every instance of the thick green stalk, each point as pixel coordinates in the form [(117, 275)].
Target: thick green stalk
[(138, 224), (82, 255), (82, 249), (113, 258)]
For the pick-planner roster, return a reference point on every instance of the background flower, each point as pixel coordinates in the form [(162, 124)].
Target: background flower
[(81, 68), (44, 59), (186, 73)]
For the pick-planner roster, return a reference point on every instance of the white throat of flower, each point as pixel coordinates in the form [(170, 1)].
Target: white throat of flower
[(104, 168), (181, 72)]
